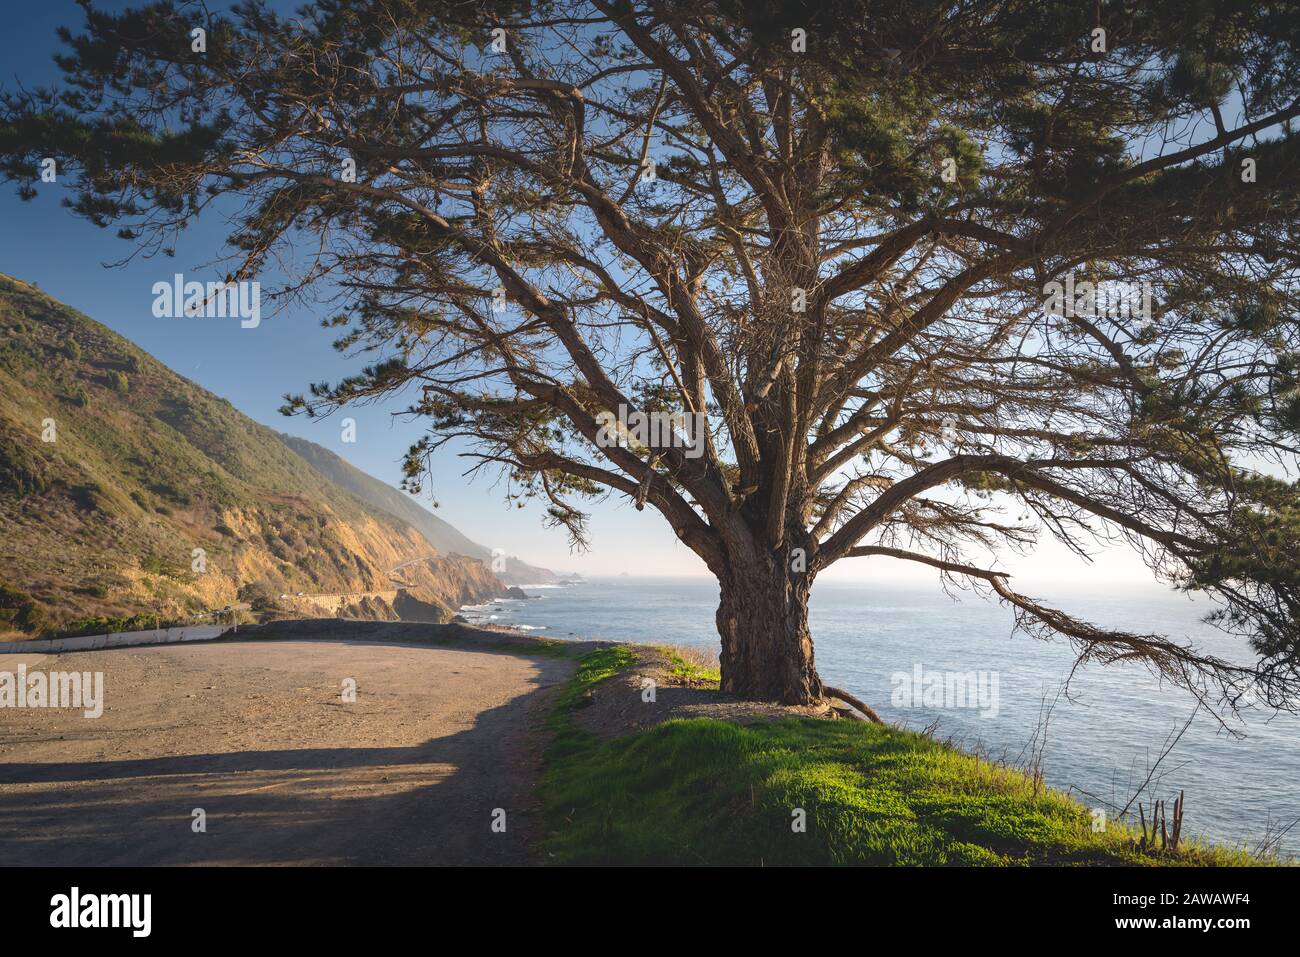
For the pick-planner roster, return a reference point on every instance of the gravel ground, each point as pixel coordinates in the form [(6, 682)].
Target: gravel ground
[(255, 733)]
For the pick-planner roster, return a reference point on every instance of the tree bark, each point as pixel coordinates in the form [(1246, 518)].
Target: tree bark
[(767, 650)]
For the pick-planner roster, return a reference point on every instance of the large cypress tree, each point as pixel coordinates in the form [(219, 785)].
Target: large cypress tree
[(832, 228)]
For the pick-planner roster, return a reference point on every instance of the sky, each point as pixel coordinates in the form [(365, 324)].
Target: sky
[(82, 265)]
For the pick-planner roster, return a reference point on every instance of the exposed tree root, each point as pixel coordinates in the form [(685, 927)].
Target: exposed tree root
[(857, 703)]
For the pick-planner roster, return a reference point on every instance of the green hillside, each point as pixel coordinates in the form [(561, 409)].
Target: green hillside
[(443, 536), (113, 469)]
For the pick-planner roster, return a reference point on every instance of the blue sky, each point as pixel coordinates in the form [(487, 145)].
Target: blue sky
[(67, 257)]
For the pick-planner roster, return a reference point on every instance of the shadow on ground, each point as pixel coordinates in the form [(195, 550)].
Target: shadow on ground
[(427, 803)]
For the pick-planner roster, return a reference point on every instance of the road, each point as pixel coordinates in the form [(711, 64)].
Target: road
[(257, 735), (333, 604)]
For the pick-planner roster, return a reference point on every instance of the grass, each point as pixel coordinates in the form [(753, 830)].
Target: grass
[(691, 666), (701, 791)]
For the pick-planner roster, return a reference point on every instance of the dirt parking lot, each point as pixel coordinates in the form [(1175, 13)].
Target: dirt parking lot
[(258, 736)]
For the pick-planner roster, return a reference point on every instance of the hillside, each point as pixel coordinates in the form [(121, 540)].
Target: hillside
[(444, 537), (114, 469)]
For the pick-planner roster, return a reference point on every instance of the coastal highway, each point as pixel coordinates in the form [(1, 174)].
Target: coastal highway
[(259, 736)]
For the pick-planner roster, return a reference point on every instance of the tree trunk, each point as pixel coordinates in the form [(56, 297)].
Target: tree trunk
[(767, 651)]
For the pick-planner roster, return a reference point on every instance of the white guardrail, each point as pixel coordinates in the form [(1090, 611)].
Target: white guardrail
[(119, 639)]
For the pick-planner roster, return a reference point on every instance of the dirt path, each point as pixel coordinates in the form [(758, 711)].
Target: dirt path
[(257, 735)]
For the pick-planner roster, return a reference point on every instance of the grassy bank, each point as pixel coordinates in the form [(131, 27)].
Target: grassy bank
[(701, 791)]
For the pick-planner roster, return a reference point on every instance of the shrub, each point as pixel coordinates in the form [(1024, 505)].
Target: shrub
[(19, 610), (157, 565), (165, 489), (106, 624), (22, 466), (90, 497)]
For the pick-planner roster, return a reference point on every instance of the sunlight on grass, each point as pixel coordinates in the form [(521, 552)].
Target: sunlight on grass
[(691, 666), (710, 792)]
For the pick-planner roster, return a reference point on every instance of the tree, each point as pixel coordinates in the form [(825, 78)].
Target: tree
[(831, 229)]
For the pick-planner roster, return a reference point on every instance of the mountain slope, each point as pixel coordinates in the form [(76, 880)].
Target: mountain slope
[(444, 537), (114, 469)]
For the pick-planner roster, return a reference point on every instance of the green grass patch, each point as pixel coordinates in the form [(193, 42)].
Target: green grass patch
[(690, 666), (709, 792), (593, 668)]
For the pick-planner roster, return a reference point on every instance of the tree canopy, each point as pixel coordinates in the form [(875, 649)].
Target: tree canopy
[(831, 228)]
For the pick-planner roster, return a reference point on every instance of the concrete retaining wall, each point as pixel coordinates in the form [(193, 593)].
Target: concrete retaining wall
[(121, 639)]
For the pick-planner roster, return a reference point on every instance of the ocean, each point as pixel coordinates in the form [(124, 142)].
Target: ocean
[(904, 649)]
